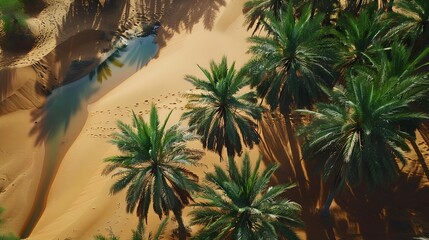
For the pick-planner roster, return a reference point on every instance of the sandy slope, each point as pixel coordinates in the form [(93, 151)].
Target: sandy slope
[(20, 168), (78, 204)]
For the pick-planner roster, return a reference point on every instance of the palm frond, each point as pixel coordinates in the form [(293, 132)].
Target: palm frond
[(220, 112), (152, 165), (238, 204), (361, 131), (290, 64)]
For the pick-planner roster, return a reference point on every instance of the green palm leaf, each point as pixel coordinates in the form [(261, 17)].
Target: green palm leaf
[(411, 19), (152, 166), (221, 111), (256, 10), (288, 66), (238, 204), (358, 136), (361, 37)]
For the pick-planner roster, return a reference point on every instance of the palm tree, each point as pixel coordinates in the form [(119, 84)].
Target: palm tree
[(361, 38), (240, 205), (355, 6), (398, 63), (289, 66), (111, 236), (358, 135), (411, 19), (256, 10), (12, 15), (152, 166), (400, 67), (222, 112), (9, 236), (138, 234), (18, 36)]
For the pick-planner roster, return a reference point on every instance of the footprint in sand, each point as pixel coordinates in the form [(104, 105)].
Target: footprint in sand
[(4, 182)]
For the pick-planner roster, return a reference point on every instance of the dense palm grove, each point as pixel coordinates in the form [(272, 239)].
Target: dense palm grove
[(349, 79)]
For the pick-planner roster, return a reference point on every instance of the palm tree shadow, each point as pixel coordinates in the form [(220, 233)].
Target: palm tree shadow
[(103, 71), (99, 23), (55, 116), (65, 102), (275, 147), (136, 58), (399, 211), (178, 16)]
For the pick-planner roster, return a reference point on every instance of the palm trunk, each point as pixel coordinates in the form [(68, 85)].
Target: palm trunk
[(296, 159), (313, 8), (423, 130), (327, 205), (292, 139), (420, 158), (358, 7), (331, 196), (182, 228), (390, 6)]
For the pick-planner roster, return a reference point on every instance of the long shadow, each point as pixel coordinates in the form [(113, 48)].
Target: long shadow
[(112, 18), (177, 16), (275, 148), (66, 107), (103, 71), (135, 58), (64, 64), (400, 211), (54, 117)]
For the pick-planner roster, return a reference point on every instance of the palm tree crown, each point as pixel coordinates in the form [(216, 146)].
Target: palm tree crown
[(240, 205), (412, 18), (289, 65), (361, 37), (222, 112), (139, 233), (153, 164), (359, 132), (256, 11)]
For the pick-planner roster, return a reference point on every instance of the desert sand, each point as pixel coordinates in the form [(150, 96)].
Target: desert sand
[(63, 178)]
